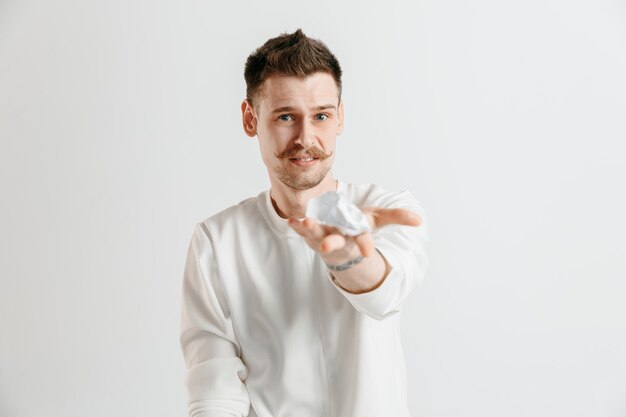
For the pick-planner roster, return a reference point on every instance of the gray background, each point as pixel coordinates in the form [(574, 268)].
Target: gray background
[(120, 129)]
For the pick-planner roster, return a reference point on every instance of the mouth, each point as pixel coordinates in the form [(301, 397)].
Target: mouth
[(303, 162)]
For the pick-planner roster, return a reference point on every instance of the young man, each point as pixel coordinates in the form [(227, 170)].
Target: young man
[(283, 316)]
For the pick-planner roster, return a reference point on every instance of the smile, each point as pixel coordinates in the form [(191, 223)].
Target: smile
[(303, 162)]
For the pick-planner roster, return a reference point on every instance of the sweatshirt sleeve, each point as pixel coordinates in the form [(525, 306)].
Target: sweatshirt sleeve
[(215, 372), (404, 248)]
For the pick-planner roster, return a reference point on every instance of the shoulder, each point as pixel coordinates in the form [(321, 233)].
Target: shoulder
[(364, 195), (242, 215), (372, 195)]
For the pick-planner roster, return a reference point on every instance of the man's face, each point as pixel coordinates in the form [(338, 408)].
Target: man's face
[(296, 121)]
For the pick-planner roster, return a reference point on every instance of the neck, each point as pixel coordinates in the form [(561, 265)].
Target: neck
[(289, 202)]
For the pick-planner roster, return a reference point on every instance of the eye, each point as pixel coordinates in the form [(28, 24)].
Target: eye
[(285, 117), (321, 116)]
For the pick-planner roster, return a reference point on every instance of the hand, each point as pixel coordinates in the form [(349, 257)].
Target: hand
[(336, 248)]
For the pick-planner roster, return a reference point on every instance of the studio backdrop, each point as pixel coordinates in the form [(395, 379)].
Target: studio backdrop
[(120, 129)]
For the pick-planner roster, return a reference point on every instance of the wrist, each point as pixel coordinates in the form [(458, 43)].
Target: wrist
[(346, 265), (342, 256)]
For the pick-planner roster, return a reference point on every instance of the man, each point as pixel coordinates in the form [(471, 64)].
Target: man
[(283, 316)]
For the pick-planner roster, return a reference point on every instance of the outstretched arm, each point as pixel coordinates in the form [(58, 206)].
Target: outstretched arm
[(395, 261), (337, 249)]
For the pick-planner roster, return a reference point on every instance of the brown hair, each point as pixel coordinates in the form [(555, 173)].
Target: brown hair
[(289, 54)]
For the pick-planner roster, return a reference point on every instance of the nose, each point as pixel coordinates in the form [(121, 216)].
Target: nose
[(305, 135)]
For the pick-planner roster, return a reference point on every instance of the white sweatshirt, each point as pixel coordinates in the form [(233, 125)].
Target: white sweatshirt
[(266, 332)]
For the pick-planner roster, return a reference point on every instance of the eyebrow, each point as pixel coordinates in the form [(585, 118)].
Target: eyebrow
[(289, 108)]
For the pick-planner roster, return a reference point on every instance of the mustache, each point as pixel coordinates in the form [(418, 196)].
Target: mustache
[(299, 152)]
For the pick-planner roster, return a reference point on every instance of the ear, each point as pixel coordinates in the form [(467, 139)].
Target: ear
[(248, 118), (340, 115)]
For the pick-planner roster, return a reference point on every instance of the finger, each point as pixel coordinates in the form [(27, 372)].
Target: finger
[(297, 225), (330, 230), (331, 243), (313, 228), (365, 242), (383, 216)]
